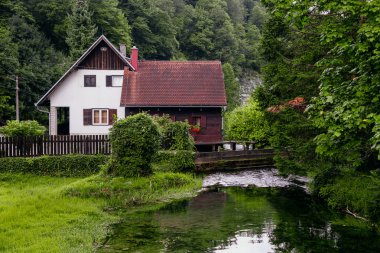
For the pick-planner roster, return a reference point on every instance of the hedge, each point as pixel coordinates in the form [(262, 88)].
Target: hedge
[(134, 141), (174, 161), (73, 165)]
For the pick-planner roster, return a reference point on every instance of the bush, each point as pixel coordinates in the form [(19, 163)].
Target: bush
[(174, 161), (174, 135), (64, 166), (15, 128), (134, 141), (248, 123), (353, 191)]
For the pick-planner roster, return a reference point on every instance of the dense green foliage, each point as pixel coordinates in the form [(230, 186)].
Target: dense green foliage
[(174, 161), (326, 52), (80, 29), (350, 191), (38, 37), (134, 141), (62, 166), (248, 123), (174, 135), (15, 128), (232, 87)]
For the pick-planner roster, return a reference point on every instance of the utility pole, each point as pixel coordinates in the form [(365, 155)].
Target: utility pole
[(17, 105)]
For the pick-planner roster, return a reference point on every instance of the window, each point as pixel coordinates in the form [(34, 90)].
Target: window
[(100, 116), (89, 81), (114, 81), (196, 121)]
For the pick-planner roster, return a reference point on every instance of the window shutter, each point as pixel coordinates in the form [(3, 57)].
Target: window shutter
[(203, 122), (109, 81), (87, 117), (111, 112)]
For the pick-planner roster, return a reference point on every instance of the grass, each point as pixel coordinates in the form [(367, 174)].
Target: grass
[(47, 214)]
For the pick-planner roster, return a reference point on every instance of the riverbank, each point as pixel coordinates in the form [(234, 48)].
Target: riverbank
[(50, 214), (240, 219)]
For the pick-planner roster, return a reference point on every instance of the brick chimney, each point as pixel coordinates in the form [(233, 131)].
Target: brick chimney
[(123, 49), (135, 57)]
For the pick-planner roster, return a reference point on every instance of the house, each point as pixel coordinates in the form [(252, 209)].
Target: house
[(103, 82)]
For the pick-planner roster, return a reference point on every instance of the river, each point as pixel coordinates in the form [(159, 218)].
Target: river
[(243, 212)]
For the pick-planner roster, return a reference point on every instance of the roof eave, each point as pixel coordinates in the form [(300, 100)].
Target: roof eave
[(126, 105)]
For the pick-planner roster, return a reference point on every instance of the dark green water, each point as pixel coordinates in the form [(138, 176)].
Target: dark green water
[(242, 220)]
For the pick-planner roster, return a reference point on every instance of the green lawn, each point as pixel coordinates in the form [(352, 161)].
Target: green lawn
[(48, 214)]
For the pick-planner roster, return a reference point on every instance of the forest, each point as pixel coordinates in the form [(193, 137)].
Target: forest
[(40, 39), (318, 105)]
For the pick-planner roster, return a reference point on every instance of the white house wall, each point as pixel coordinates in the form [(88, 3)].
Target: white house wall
[(72, 93)]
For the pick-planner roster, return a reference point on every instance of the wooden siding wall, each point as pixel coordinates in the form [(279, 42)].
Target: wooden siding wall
[(211, 133), (98, 59)]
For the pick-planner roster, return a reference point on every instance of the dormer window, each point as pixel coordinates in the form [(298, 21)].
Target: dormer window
[(89, 81), (114, 81)]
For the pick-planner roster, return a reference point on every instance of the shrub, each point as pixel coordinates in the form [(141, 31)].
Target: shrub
[(66, 165), (174, 161), (353, 191), (248, 123), (134, 141), (174, 135), (15, 128)]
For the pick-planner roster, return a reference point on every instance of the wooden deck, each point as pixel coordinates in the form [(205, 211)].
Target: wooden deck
[(234, 160)]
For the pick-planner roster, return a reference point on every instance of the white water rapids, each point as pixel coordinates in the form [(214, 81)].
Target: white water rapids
[(257, 177)]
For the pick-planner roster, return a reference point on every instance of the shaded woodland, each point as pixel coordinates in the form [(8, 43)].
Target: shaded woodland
[(40, 39)]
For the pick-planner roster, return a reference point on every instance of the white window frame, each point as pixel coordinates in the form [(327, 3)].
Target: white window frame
[(100, 117), (113, 82)]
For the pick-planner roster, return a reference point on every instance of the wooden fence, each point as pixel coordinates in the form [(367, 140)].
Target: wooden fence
[(54, 145)]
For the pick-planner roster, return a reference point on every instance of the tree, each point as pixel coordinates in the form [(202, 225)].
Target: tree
[(258, 16), (232, 87), (236, 10), (210, 32), (248, 123), (153, 28), (39, 66), (8, 69), (80, 29), (291, 54), (111, 21), (51, 19), (336, 49)]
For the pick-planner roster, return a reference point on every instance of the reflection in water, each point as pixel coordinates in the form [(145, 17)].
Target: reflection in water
[(246, 242), (242, 220)]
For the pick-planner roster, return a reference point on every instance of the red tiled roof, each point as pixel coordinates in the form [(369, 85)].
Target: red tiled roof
[(174, 83)]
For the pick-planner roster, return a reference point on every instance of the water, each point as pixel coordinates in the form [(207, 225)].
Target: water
[(259, 178), (253, 218)]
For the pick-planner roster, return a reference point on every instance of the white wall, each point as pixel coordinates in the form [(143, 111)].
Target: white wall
[(72, 93)]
